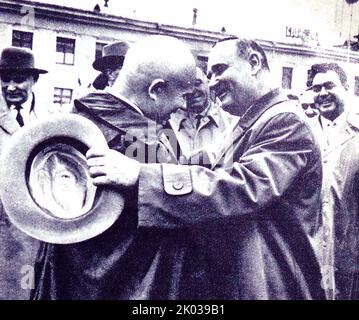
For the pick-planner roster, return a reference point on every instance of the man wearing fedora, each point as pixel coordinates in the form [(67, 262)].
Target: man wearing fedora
[(109, 64), (18, 75)]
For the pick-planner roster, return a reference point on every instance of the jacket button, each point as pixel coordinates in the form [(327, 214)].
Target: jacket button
[(177, 185)]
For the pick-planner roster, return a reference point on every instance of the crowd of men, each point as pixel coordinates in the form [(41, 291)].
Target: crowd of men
[(236, 190)]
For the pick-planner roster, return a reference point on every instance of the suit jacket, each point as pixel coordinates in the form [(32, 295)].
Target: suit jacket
[(257, 213)]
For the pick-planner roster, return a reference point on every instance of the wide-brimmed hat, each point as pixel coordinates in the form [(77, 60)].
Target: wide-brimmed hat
[(45, 186), (18, 59), (113, 56)]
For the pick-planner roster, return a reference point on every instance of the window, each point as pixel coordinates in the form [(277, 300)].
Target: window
[(99, 47), (287, 75), (65, 50), (22, 39), (62, 96), (356, 86)]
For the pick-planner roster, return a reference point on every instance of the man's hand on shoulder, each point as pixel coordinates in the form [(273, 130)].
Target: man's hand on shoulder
[(109, 167)]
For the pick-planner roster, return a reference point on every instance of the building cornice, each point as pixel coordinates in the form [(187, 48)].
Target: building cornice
[(73, 15), (338, 54)]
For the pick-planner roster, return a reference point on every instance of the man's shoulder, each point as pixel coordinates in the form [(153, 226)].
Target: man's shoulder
[(100, 98), (286, 119), (283, 107), (270, 105)]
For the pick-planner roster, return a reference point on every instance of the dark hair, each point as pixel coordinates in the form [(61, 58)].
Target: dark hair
[(246, 47), (325, 67)]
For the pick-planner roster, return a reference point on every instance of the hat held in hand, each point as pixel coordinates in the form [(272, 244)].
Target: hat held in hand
[(46, 189)]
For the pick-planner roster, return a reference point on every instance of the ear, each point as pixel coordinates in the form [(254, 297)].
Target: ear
[(255, 62), (155, 88)]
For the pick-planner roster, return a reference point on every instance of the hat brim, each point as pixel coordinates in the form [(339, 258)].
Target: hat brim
[(18, 202), (29, 70), (112, 62)]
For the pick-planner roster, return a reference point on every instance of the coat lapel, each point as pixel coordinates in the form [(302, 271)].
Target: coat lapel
[(248, 119), (8, 123), (122, 125), (345, 132)]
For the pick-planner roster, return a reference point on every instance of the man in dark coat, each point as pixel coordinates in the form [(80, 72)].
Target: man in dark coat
[(18, 75), (109, 64), (257, 212), (128, 262)]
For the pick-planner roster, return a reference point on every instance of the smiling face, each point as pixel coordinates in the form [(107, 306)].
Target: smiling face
[(231, 77), (329, 94), (198, 100)]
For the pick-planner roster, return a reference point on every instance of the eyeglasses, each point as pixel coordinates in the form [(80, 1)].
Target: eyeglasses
[(327, 85), (16, 79)]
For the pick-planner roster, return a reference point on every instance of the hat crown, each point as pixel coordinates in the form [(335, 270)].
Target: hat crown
[(115, 49), (17, 58), (113, 56), (14, 58)]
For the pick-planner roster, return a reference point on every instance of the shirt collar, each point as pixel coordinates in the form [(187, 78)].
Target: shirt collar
[(27, 106), (112, 91), (212, 112), (326, 123), (177, 118)]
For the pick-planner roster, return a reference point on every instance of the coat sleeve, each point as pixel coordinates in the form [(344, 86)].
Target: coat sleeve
[(172, 196)]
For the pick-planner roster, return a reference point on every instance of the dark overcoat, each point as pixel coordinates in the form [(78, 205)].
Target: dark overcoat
[(257, 214)]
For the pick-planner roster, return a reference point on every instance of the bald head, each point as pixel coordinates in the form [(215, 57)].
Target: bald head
[(158, 73)]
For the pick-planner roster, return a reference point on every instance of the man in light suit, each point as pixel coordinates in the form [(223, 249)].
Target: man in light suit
[(337, 129), (18, 75)]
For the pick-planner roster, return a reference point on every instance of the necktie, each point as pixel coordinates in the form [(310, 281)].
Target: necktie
[(19, 118)]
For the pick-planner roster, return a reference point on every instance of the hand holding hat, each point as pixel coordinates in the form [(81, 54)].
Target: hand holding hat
[(109, 167), (46, 188)]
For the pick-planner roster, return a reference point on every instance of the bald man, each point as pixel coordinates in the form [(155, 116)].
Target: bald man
[(127, 261)]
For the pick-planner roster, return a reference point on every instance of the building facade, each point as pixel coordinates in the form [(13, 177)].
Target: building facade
[(65, 41)]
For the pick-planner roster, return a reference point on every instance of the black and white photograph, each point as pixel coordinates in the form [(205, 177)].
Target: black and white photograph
[(194, 150)]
